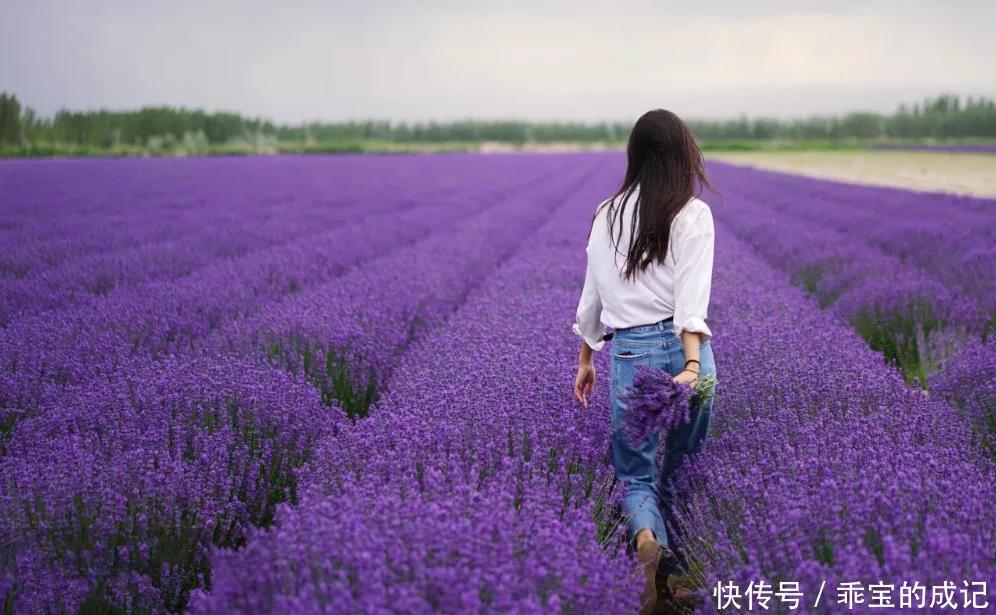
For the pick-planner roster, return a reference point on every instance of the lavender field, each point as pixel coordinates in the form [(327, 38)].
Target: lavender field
[(342, 385)]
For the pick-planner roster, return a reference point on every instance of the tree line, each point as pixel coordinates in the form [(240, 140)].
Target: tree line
[(943, 117)]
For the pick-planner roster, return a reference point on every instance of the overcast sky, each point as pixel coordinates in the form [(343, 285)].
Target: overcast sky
[(533, 59)]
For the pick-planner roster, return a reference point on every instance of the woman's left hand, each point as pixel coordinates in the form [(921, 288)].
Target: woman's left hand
[(687, 377)]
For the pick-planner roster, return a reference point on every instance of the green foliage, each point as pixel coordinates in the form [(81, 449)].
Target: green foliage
[(354, 390), (705, 389), (902, 336)]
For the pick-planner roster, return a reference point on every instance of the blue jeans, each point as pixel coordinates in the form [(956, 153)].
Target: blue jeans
[(647, 494)]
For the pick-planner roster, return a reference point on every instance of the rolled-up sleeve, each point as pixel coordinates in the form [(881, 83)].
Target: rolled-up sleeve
[(693, 276), (588, 321)]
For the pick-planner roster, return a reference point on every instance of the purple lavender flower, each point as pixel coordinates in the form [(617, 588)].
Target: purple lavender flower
[(174, 435), (655, 403)]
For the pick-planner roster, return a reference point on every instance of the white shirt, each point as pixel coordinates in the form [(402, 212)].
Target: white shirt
[(679, 287)]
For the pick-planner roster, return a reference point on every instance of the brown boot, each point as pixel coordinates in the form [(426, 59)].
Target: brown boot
[(683, 589), (678, 592), (649, 554)]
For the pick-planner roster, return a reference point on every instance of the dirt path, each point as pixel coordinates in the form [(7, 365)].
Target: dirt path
[(947, 172)]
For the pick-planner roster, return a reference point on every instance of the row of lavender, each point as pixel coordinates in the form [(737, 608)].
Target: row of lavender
[(172, 432), (476, 485), (913, 273)]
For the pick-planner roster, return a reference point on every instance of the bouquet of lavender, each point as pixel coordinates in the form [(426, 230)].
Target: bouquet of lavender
[(656, 403)]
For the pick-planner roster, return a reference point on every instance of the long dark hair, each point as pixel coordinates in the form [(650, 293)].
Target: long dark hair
[(665, 161)]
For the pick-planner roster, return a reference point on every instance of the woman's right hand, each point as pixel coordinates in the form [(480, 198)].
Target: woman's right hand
[(687, 377), (584, 382)]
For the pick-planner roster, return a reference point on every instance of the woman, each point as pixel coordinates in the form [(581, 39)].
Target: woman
[(649, 273)]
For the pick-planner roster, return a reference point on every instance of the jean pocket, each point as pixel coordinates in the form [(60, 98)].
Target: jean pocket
[(624, 362)]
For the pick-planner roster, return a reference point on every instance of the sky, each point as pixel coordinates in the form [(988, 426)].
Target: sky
[(411, 60)]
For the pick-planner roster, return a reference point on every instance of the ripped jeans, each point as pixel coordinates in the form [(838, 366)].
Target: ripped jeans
[(648, 494)]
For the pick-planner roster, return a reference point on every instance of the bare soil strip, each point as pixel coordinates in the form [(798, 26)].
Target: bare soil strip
[(958, 173)]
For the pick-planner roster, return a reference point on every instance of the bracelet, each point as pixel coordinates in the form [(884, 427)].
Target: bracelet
[(689, 371), (693, 361)]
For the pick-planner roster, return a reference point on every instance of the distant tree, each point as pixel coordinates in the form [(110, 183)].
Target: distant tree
[(29, 123), (10, 119), (861, 125)]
